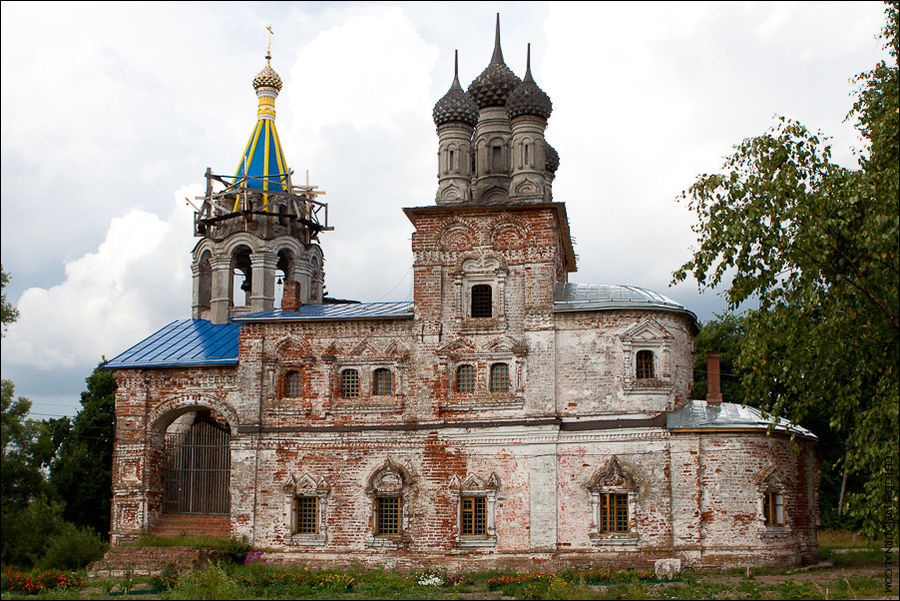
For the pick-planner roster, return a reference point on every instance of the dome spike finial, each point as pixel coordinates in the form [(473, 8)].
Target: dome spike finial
[(456, 69), (528, 76), (269, 42), (497, 57)]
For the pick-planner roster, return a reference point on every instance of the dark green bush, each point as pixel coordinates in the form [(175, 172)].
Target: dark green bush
[(72, 548)]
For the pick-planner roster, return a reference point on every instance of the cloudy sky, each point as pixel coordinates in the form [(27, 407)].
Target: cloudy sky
[(112, 112)]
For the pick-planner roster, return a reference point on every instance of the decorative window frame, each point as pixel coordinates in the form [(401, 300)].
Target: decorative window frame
[(278, 368), (613, 479), (365, 358), (390, 481), (472, 271), (772, 481), (647, 335), (472, 486), (504, 349), (306, 486)]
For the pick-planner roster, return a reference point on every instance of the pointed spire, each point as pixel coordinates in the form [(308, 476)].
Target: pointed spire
[(497, 57), (456, 70), (528, 76)]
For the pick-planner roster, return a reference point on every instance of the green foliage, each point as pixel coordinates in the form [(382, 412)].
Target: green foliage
[(816, 246), (166, 580), (8, 313), (722, 335), (28, 531), (73, 548), (81, 473), (211, 583)]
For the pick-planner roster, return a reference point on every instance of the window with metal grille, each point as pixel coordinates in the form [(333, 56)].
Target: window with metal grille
[(387, 516), (349, 383), (613, 513), (773, 508), (481, 301), (473, 515), (305, 514), (499, 377), (465, 378), (292, 384), (382, 381), (644, 364)]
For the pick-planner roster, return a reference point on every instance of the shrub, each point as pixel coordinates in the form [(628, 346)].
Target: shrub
[(73, 548), (211, 583), (20, 582), (165, 580)]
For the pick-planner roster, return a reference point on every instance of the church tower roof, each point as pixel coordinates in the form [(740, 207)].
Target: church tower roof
[(262, 162), (455, 105), (493, 86), (528, 98)]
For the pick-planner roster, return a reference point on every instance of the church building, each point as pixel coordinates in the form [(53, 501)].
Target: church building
[(503, 417)]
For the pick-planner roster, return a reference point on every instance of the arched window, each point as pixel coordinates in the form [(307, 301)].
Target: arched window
[(465, 378), (499, 377), (292, 384), (205, 273), (242, 276), (643, 368), (381, 383), (482, 305), (349, 383)]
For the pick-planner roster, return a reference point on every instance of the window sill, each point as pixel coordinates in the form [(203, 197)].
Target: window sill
[(308, 540), (607, 539), (477, 541)]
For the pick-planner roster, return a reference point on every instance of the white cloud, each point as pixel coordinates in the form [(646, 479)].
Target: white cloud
[(110, 298)]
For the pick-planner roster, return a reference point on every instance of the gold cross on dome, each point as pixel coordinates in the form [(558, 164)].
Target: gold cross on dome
[(269, 40)]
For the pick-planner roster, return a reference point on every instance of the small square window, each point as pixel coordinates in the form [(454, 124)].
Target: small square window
[(499, 377), (305, 515), (613, 513), (643, 367), (474, 516), (387, 516), (382, 382), (482, 305), (773, 509), (350, 384), (292, 381), (465, 378)]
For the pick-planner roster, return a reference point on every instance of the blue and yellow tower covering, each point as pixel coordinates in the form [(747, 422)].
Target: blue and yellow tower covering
[(262, 166)]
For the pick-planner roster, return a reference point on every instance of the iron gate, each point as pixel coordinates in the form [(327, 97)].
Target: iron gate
[(197, 470)]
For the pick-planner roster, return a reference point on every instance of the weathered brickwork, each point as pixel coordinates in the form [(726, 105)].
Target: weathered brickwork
[(509, 419)]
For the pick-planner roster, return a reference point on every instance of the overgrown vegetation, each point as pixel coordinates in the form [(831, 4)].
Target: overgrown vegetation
[(230, 550), (814, 246)]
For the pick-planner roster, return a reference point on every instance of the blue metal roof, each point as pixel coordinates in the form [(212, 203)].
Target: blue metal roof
[(336, 311), (185, 342)]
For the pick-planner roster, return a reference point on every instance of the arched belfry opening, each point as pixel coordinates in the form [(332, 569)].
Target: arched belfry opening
[(196, 471), (242, 276), (287, 289)]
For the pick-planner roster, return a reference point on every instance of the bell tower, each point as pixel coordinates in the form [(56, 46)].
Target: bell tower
[(259, 231)]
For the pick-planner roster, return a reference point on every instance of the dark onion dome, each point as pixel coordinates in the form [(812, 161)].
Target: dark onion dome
[(267, 78), (528, 98), (551, 161), (495, 83), (456, 105)]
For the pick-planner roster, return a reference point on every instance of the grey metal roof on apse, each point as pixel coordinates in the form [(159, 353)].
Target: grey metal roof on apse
[(699, 415), (390, 310), (605, 297)]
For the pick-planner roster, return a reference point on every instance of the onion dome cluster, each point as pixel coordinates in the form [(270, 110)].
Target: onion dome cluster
[(528, 98), (494, 85), (455, 106), (267, 78)]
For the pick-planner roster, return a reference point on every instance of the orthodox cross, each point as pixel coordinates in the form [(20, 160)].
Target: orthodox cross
[(269, 40)]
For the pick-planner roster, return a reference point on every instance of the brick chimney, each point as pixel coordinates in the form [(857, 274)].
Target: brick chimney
[(713, 381), (290, 298)]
